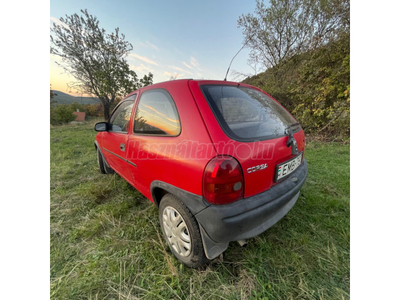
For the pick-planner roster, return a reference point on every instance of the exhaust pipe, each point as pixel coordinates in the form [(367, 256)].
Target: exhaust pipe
[(242, 243)]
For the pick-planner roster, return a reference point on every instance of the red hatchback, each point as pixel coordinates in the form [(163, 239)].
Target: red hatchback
[(223, 161)]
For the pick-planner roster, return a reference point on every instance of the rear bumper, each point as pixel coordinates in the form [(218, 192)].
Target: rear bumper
[(221, 224)]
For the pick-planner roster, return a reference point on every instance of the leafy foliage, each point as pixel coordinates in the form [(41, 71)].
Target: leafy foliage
[(95, 59), (310, 76), (61, 114), (322, 90), (314, 87), (52, 101), (52, 94), (291, 27)]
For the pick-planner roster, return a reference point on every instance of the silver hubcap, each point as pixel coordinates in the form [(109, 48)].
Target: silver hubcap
[(176, 230)]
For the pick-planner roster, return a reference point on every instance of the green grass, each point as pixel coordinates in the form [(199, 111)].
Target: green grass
[(106, 242)]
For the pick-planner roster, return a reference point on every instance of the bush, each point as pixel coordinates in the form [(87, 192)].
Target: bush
[(61, 114), (93, 110), (314, 87)]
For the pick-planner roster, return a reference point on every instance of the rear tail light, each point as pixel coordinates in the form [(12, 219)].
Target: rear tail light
[(223, 180)]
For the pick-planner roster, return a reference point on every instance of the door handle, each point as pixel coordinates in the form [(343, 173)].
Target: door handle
[(122, 147)]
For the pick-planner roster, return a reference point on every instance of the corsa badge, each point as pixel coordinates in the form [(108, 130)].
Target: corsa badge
[(257, 168)]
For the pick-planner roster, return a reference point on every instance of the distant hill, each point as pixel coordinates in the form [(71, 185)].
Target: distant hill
[(64, 98)]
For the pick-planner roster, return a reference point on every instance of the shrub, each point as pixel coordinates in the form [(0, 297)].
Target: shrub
[(315, 87), (61, 114)]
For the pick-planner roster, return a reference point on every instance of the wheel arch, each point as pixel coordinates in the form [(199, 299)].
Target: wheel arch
[(157, 193), (194, 202), (97, 147)]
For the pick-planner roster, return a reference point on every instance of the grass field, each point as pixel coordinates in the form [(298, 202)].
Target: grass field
[(106, 242)]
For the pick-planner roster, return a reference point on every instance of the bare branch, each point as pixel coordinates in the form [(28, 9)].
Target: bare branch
[(289, 27)]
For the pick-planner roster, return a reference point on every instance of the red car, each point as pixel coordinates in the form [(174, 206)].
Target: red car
[(223, 161)]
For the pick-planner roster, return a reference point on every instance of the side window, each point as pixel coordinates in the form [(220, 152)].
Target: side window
[(119, 121), (157, 114), (131, 97)]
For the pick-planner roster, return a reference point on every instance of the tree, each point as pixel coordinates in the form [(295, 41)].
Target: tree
[(146, 80), (52, 94), (95, 59), (304, 45), (291, 27), (315, 88)]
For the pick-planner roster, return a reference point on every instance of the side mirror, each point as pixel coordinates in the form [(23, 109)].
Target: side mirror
[(101, 126)]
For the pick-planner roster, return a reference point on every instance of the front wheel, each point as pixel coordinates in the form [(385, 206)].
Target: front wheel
[(181, 231), (102, 165), (100, 162)]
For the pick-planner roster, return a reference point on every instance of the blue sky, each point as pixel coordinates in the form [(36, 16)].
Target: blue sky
[(191, 39)]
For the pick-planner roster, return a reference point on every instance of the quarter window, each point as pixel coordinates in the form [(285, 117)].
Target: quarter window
[(119, 121), (157, 114)]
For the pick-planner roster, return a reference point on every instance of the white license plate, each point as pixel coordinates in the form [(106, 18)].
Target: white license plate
[(287, 167)]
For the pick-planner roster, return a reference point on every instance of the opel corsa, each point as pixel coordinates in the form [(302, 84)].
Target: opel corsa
[(223, 161)]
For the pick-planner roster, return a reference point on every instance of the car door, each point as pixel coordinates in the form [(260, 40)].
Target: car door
[(156, 126), (115, 139)]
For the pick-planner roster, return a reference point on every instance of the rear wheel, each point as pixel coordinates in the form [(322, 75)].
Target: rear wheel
[(181, 231)]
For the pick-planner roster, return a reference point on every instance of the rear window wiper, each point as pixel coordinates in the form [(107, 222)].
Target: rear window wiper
[(291, 140)]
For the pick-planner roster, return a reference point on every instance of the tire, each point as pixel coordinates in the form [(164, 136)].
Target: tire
[(108, 169), (100, 162), (102, 165), (181, 232)]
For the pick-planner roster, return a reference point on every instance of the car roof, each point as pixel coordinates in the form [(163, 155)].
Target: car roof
[(163, 84)]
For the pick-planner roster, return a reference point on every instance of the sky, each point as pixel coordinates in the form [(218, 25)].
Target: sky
[(184, 39)]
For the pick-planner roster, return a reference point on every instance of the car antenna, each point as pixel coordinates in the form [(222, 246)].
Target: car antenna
[(226, 75)]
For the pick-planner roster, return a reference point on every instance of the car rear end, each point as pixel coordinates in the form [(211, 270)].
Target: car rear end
[(256, 177)]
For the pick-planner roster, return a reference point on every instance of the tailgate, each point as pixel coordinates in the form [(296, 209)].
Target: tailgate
[(249, 125)]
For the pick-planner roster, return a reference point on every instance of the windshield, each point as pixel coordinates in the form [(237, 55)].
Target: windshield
[(247, 114)]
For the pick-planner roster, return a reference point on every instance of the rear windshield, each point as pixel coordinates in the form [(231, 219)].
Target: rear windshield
[(247, 114)]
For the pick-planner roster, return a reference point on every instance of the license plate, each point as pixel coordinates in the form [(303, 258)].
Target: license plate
[(288, 167)]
